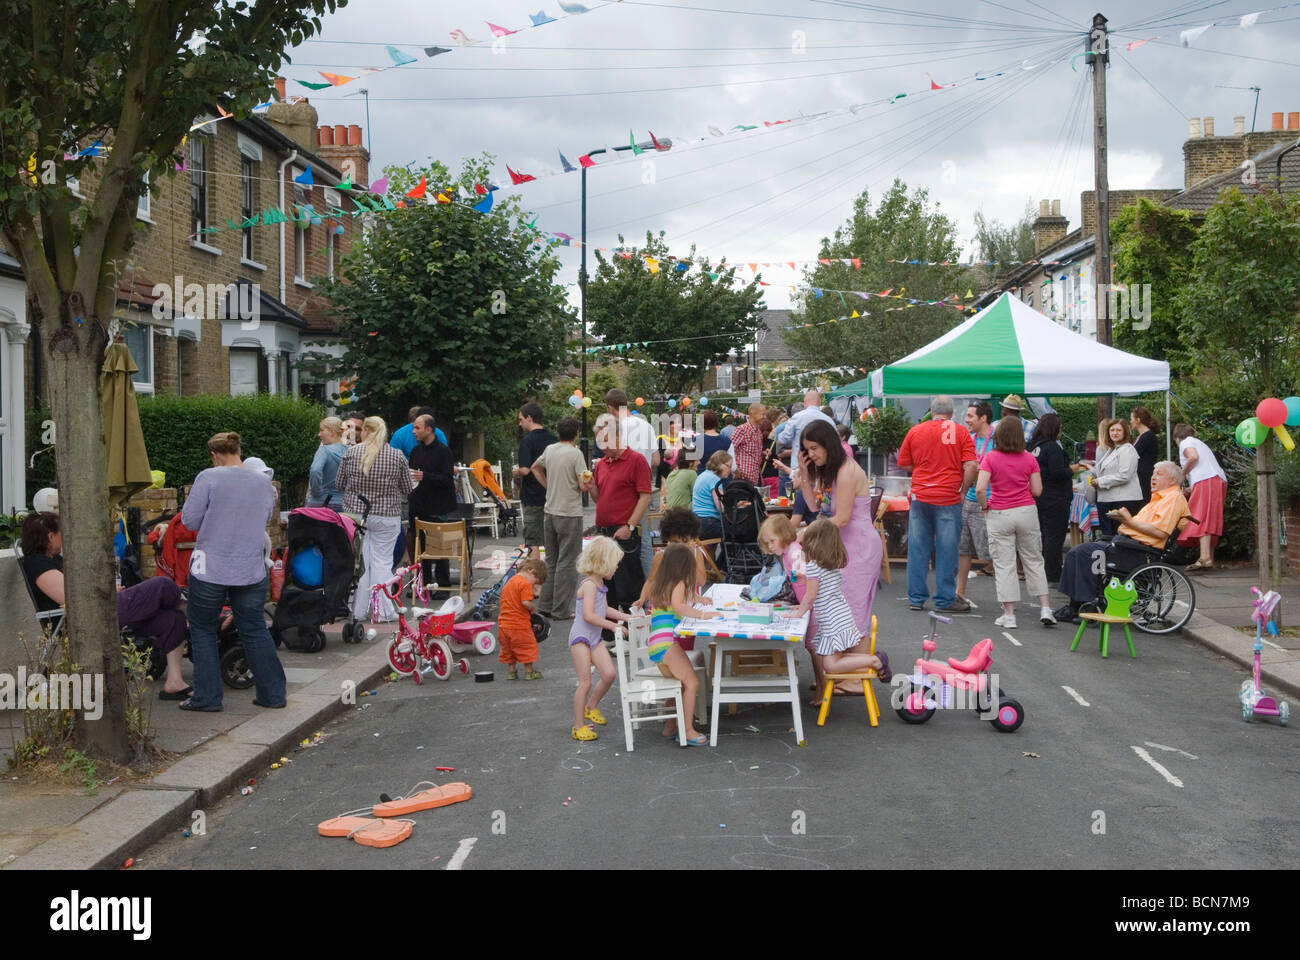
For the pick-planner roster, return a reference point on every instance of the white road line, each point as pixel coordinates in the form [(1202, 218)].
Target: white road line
[(1161, 746), (1159, 769), (462, 852), (1273, 645), (1012, 639), (1072, 692)]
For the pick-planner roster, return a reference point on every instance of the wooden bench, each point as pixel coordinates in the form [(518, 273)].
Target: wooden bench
[(1105, 620)]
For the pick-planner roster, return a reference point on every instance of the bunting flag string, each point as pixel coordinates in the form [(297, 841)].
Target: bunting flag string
[(1188, 37), (400, 58)]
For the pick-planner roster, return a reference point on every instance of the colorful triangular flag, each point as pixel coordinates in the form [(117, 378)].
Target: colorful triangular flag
[(572, 8), (499, 31), (540, 18), (586, 161), (314, 86), (380, 186), (335, 79), (518, 178), (305, 178), (461, 37), (636, 151), (657, 144), (484, 205), (418, 192), (568, 167), (435, 51), (345, 183), (399, 58)]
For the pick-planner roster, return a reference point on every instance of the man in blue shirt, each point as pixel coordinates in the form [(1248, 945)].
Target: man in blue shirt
[(404, 440)]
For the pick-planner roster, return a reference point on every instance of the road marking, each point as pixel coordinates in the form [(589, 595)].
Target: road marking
[(1011, 638), (1273, 645), (1159, 769), (1161, 746), (462, 852), (1072, 692)]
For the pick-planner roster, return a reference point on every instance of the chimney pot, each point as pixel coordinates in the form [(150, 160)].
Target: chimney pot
[(1277, 120), (1238, 126), (1208, 126), (1044, 208), (1293, 120), (279, 88), (325, 136), (1056, 208), (354, 135), (1193, 128), (340, 134)]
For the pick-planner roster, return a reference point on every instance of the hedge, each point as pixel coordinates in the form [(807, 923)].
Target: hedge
[(281, 430)]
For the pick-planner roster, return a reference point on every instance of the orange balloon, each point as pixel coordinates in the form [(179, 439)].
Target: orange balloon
[(577, 393), (686, 401), (640, 401)]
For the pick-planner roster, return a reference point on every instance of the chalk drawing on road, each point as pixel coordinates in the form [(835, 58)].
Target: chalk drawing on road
[(577, 765), (767, 770), (1161, 746), (458, 858), (776, 861), (730, 791), (1158, 768)]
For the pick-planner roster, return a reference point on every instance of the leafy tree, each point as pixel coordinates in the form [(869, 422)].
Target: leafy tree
[(77, 73), (1005, 244), (1152, 245), (692, 317), (447, 307), (901, 226), (884, 433)]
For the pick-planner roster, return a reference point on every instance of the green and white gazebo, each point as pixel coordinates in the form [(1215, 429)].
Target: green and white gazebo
[(1009, 347)]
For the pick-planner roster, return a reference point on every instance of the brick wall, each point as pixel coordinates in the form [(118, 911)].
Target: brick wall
[(1204, 157), (1119, 199)]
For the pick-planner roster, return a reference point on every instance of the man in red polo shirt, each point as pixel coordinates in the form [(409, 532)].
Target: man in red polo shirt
[(941, 456), (620, 486)]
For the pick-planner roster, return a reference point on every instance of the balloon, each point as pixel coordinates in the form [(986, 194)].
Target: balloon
[(640, 401), (1271, 412), (704, 401), (1284, 436), (586, 401), (1292, 411), (686, 401), (578, 394), (672, 403), (1251, 433), (574, 401)]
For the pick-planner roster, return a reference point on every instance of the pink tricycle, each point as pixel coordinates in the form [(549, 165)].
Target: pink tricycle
[(956, 684)]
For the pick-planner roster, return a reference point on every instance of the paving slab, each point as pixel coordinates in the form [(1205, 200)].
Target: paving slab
[(214, 769), (31, 814), (106, 837)]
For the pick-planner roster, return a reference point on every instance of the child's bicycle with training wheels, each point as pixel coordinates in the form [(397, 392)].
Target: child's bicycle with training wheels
[(415, 652), (957, 684)]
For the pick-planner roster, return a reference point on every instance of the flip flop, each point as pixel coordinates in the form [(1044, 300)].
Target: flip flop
[(189, 705), (428, 799), (367, 832), (700, 741), (176, 695), (884, 673)]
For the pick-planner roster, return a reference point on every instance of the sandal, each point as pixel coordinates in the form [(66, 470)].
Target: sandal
[(189, 705), (1200, 565), (176, 695), (596, 717), (700, 741), (367, 832), (584, 733), (429, 799), (884, 673)]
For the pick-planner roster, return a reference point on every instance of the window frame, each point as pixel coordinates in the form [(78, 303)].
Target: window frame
[(199, 199), (248, 204), (146, 382)]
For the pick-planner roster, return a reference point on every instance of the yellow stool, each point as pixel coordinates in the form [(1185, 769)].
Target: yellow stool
[(866, 676)]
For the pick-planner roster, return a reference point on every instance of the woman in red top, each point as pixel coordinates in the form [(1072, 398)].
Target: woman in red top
[(1008, 482)]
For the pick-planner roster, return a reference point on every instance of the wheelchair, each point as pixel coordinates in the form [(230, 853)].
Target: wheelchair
[(1166, 599)]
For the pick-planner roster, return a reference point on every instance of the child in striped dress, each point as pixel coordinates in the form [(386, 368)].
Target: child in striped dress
[(841, 645), (669, 601)]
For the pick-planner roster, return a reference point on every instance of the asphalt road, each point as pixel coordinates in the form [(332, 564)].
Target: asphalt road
[(1076, 786)]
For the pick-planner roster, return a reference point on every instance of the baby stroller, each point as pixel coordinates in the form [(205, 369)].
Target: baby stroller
[(322, 569), (484, 483), (173, 542), (743, 512)]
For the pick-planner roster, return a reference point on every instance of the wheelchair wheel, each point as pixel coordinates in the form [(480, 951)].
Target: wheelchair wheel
[(1166, 599), (234, 669)]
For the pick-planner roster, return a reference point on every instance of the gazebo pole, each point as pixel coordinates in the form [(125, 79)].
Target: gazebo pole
[(1169, 453)]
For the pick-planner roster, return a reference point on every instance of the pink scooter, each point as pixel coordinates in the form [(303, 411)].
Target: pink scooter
[(957, 683), (1255, 702)]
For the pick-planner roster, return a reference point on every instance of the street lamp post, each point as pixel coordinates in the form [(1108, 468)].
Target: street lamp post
[(664, 144)]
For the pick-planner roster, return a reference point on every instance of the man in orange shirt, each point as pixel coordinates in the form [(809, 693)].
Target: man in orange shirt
[(941, 456), (515, 621), (1085, 565)]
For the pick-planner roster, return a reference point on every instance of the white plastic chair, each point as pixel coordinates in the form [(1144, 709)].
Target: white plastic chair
[(642, 667), (485, 509), (639, 693)]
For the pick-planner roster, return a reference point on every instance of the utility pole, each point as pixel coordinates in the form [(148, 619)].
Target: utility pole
[(1098, 48)]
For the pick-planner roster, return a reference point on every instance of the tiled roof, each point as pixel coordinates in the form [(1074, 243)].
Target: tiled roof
[(1205, 194)]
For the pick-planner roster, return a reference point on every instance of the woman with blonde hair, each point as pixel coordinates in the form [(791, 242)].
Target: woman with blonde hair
[(322, 490), (373, 470)]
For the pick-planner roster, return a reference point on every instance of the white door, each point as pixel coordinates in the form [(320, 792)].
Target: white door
[(243, 372)]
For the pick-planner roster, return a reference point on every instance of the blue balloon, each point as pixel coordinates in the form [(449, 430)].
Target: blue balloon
[(1292, 411), (704, 401), (672, 403), (574, 401), (308, 567)]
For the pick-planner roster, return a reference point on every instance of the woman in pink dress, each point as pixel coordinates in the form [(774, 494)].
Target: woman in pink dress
[(832, 482)]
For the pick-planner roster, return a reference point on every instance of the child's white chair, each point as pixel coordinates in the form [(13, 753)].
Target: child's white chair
[(639, 693), (642, 667)]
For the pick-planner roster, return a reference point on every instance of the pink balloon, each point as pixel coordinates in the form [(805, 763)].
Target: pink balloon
[(1272, 412)]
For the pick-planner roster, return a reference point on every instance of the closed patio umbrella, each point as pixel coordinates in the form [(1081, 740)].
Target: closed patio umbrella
[(128, 462)]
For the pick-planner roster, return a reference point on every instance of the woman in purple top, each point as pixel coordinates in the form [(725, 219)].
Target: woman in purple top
[(229, 507), (1009, 480)]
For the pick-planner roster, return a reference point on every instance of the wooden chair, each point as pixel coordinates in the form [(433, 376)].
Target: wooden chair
[(1105, 620), (866, 676), (638, 689), (445, 541), (884, 541)]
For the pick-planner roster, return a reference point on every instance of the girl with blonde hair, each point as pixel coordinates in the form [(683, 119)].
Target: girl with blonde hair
[(591, 614), (373, 470), (322, 489)]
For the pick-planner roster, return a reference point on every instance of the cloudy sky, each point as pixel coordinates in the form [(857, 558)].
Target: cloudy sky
[(677, 69)]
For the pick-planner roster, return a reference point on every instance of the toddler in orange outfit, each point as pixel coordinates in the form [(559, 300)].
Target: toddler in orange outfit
[(515, 624)]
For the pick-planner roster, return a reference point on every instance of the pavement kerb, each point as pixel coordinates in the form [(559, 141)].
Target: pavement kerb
[(131, 822), (1281, 674)]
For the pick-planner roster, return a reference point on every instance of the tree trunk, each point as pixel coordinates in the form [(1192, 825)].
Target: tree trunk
[(1261, 513), (76, 353)]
